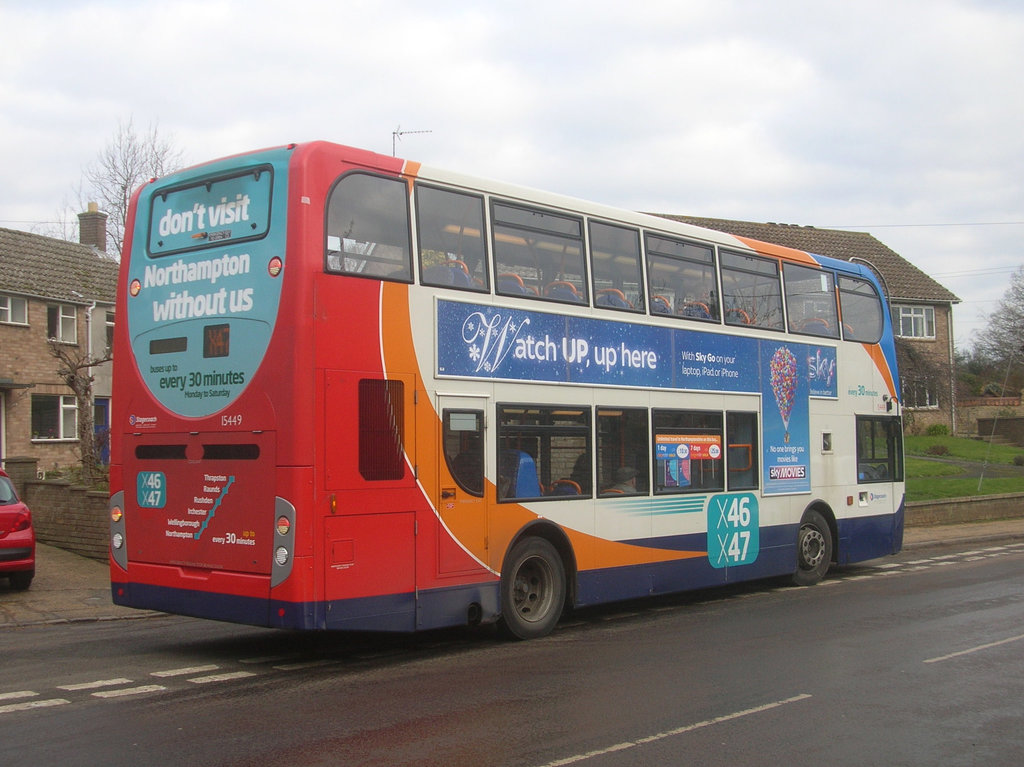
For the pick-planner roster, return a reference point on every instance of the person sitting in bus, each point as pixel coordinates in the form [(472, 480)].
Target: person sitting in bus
[(625, 481)]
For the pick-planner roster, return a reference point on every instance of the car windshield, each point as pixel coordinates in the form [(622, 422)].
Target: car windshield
[(7, 494)]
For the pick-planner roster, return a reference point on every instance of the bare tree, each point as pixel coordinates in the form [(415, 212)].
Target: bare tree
[(75, 368), (129, 159), (1001, 342)]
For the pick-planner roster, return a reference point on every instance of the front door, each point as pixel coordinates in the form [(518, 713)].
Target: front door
[(461, 486)]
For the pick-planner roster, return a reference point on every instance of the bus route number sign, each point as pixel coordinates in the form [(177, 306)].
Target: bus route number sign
[(733, 537), (151, 489)]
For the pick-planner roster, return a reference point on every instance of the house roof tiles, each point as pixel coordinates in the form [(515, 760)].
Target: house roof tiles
[(904, 281), (48, 268)]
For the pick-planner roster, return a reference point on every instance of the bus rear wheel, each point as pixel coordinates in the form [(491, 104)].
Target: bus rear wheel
[(814, 549), (532, 589)]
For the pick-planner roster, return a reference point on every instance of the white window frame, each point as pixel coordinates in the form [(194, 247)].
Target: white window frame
[(13, 310), (915, 321), (66, 325), (110, 330), (67, 419)]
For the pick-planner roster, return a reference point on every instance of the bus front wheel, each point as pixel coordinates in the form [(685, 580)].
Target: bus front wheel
[(814, 550), (532, 589)]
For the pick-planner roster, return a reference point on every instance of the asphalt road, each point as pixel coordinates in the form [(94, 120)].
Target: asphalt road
[(914, 660)]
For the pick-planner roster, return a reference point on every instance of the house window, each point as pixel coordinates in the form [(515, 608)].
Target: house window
[(13, 310), (915, 321), (62, 323), (919, 393), (54, 417), (110, 331)]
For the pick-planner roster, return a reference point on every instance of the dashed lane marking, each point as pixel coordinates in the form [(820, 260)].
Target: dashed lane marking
[(226, 677), (28, 705), (141, 690), (94, 685), (187, 671)]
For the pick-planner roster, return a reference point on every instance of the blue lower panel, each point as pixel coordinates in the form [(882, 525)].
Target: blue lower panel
[(863, 538), (393, 612), (198, 604), (777, 556), (860, 539)]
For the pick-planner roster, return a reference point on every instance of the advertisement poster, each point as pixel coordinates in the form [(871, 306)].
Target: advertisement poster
[(203, 302), (501, 343)]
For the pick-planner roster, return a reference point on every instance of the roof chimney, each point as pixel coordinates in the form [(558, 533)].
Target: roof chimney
[(92, 228)]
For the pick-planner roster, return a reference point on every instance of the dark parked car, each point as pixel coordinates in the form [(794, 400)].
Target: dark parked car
[(17, 537)]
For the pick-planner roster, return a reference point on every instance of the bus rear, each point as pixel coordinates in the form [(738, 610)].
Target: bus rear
[(201, 519)]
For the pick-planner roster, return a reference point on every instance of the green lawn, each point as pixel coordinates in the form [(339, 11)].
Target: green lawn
[(929, 479), (964, 449)]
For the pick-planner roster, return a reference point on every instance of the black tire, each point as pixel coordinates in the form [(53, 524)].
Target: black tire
[(813, 549), (532, 589), (20, 581)]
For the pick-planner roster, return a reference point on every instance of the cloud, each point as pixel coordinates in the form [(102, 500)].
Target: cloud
[(859, 115)]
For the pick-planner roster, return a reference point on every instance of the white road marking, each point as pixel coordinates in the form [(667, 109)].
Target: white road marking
[(94, 685), (975, 649), (677, 731), (142, 690), (32, 704), (221, 677), (185, 671), (18, 694)]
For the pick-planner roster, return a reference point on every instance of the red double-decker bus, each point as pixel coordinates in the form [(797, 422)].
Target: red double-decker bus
[(352, 392)]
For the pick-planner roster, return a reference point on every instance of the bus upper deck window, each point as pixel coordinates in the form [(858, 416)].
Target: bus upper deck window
[(751, 291), (810, 301), (368, 231), (682, 278), (450, 228), (539, 254), (862, 310), (615, 267)]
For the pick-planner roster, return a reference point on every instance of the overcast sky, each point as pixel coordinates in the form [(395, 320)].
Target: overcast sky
[(902, 118)]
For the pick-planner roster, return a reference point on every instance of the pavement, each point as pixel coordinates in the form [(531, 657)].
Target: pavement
[(71, 588)]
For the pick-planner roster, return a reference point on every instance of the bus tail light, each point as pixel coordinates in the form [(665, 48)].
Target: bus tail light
[(118, 550), (284, 542)]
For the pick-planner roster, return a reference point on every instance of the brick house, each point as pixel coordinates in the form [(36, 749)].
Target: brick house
[(51, 288), (922, 311)]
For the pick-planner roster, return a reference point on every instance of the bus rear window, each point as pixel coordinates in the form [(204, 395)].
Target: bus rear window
[(212, 212)]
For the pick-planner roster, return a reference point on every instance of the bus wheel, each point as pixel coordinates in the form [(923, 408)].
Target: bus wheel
[(532, 589), (814, 550)]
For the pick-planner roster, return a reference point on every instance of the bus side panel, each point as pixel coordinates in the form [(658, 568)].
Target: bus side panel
[(371, 567)]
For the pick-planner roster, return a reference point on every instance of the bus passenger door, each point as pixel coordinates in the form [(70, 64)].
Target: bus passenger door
[(460, 485)]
